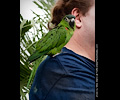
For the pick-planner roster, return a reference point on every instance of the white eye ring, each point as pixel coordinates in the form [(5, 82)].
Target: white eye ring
[(67, 19)]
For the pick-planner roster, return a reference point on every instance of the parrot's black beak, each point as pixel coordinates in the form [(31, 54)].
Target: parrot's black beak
[(72, 22)]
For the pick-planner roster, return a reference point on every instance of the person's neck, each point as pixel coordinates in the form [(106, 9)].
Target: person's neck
[(82, 47)]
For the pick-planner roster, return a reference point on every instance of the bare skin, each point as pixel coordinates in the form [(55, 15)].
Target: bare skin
[(83, 40)]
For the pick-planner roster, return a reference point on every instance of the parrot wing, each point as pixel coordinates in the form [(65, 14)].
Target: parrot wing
[(49, 43), (52, 39)]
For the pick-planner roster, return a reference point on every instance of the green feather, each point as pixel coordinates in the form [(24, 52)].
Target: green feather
[(36, 55)]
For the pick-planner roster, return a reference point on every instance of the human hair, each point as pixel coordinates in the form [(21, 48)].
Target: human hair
[(64, 7)]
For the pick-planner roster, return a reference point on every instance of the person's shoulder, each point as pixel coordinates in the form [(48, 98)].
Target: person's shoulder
[(51, 62), (67, 57), (50, 65), (47, 74), (72, 61)]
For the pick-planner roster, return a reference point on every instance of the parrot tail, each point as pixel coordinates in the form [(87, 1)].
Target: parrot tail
[(35, 56)]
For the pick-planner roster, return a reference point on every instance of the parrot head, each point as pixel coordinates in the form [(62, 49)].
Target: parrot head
[(69, 21)]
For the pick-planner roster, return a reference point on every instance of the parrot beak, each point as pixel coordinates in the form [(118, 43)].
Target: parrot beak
[(72, 22)]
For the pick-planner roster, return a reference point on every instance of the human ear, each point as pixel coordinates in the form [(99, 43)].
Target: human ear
[(76, 13)]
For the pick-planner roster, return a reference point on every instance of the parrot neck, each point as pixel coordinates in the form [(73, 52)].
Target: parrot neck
[(67, 27)]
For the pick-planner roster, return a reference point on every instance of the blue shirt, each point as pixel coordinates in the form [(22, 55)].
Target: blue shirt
[(66, 76)]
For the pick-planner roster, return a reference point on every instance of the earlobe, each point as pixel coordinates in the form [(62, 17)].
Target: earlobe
[(76, 13), (78, 23)]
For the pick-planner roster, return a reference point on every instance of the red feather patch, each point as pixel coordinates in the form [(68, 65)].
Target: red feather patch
[(66, 28)]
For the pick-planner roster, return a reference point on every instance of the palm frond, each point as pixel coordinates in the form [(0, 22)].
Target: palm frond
[(30, 32)]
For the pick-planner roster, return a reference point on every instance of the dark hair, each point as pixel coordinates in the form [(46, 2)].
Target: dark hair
[(64, 7)]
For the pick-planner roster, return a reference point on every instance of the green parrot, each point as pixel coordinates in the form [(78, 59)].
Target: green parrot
[(55, 39)]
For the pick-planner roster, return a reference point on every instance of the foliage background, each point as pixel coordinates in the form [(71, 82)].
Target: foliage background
[(30, 32)]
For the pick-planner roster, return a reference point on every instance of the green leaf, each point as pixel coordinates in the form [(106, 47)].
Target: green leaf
[(30, 32), (21, 17)]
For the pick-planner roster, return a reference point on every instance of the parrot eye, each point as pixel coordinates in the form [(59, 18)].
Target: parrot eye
[(65, 18)]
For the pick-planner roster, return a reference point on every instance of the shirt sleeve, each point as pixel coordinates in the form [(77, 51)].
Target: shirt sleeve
[(48, 73)]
